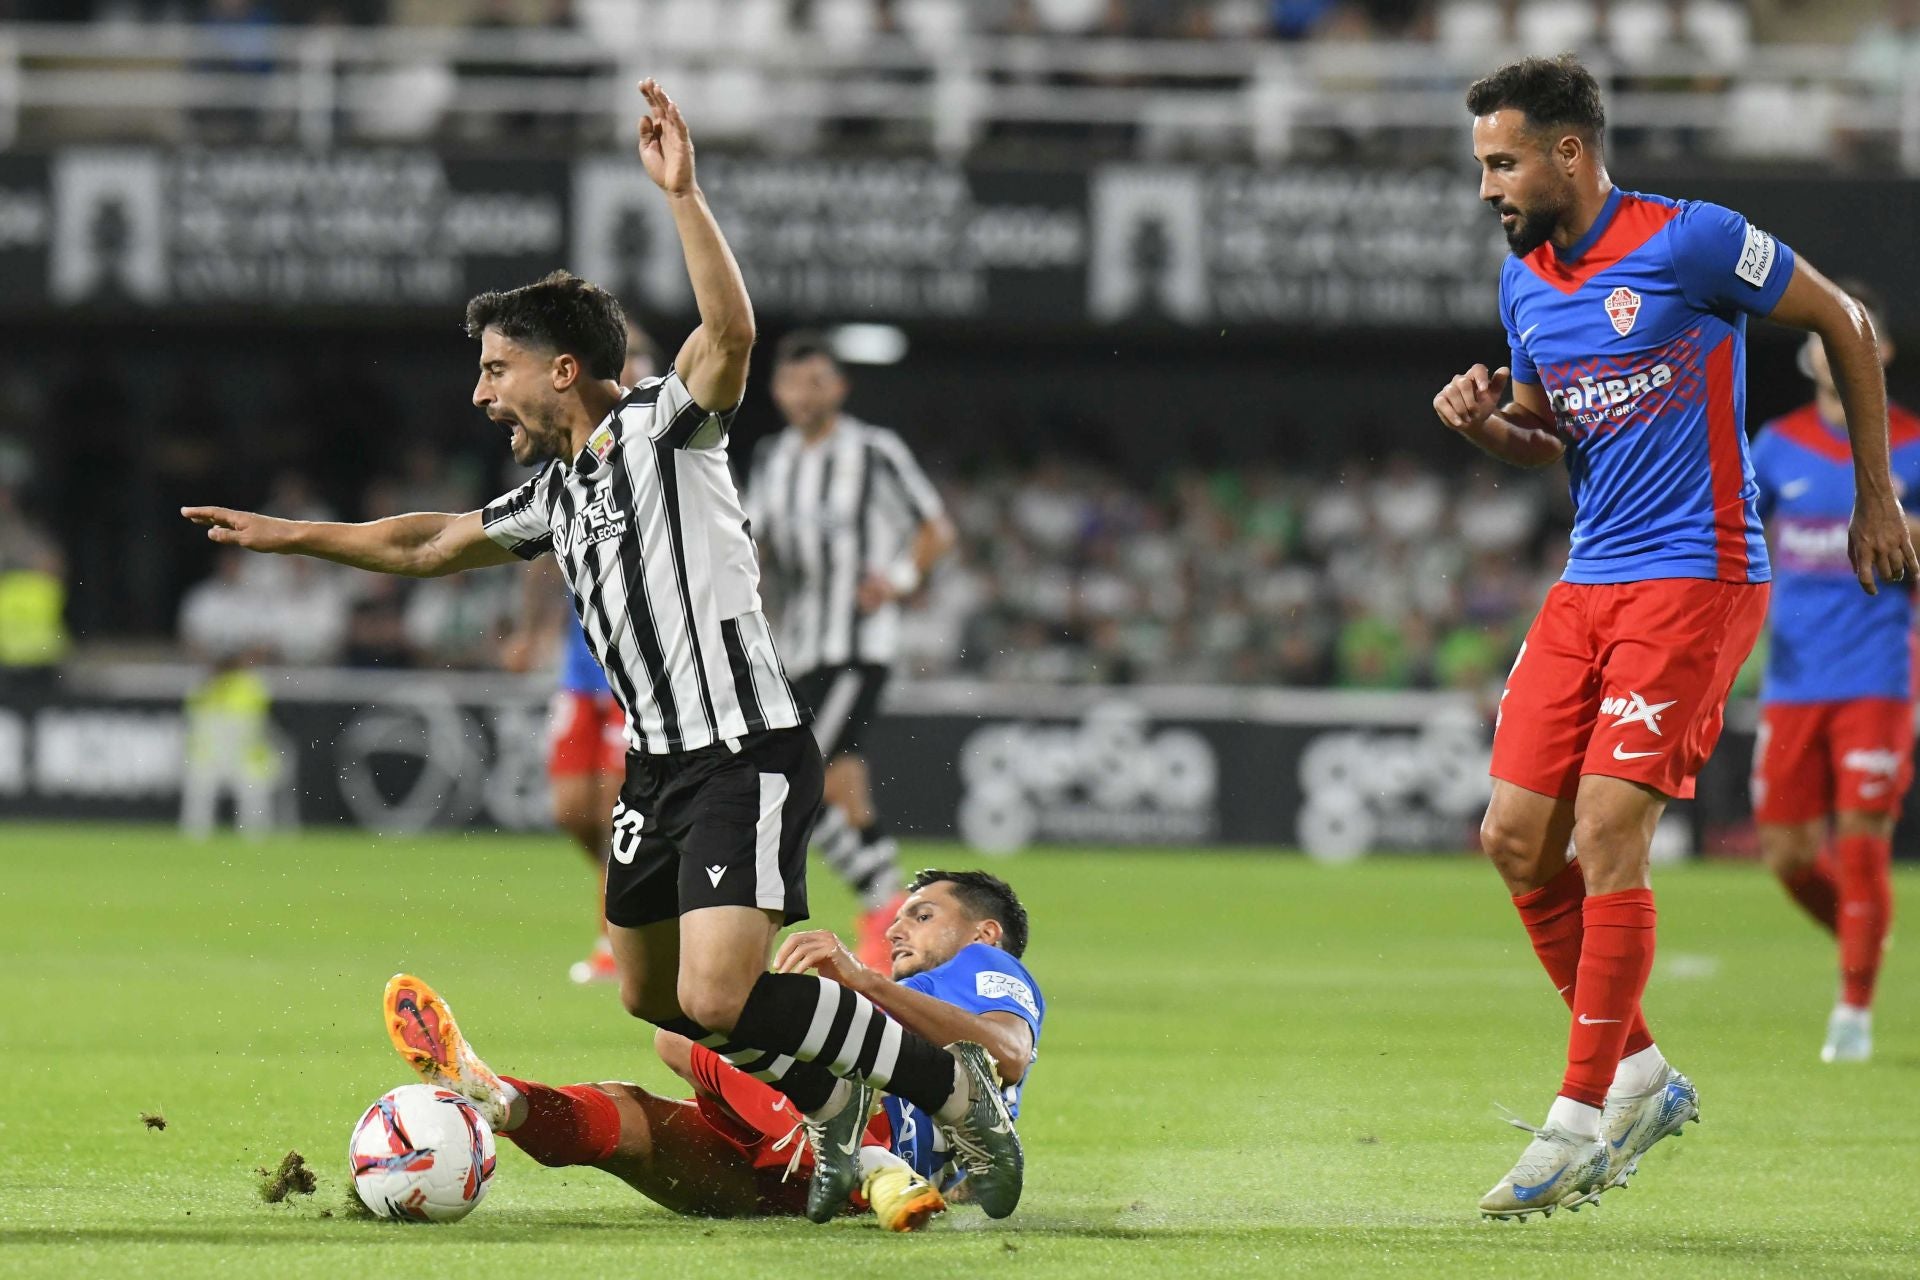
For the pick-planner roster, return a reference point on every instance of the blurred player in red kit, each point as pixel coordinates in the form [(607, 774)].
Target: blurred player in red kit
[(1626, 319), (1836, 728)]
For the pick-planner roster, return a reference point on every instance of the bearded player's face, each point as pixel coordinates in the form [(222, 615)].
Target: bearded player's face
[(931, 929), (1523, 178), (516, 390)]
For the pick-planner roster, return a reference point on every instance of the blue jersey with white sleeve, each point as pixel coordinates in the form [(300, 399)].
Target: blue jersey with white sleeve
[(1831, 641), (980, 979), (1637, 335)]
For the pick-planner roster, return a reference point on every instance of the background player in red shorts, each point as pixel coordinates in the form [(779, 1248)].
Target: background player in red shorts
[(732, 1150), (1626, 318), (1836, 727), (586, 730)]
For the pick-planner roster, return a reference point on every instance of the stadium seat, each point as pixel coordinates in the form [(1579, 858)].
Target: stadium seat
[(844, 24), (1555, 26), (1468, 28), (934, 24)]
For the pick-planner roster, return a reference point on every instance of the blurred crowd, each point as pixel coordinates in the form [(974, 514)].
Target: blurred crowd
[(1387, 574), (1384, 575), (292, 610), (1717, 28)]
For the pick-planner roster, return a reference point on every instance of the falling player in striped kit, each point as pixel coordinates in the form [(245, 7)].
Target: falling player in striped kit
[(1626, 319), (851, 527), (636, 501), (1835, 753), (586, 730)]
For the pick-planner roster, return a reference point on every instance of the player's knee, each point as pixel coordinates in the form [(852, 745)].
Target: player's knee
[(1514, 849), (1788, 851), (676, 1051), (1859, 822), (641, 1001), (711, 1004)]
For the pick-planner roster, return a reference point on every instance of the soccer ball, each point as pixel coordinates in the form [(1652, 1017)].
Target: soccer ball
[(421, 1154)]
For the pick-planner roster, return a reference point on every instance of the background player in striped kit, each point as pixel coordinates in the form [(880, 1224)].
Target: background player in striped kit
[(1626, 322), (850, 526), (1836, 717), (636, 501), (586, 730)]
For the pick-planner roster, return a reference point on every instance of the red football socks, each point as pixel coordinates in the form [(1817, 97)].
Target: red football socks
[(1552, 916), (577, 1124), (1866, 909), (1814, 889), (1616, 955)]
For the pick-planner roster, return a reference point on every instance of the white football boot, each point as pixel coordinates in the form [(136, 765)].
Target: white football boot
[(1849, 1035), (1631, 1123), (1558, 1167)]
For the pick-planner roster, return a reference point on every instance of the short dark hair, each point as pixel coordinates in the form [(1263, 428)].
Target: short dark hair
[(561, 312), (804, 344), (1553, 93), (986, 897)]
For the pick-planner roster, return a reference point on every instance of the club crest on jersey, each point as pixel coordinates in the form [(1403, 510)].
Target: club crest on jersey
[(601, 442), (1623, 308)]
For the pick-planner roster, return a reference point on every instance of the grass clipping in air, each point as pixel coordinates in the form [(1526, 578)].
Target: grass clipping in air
[(291, 1178)]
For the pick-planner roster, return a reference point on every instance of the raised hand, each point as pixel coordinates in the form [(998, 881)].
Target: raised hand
[(666, 148), (241, 529)]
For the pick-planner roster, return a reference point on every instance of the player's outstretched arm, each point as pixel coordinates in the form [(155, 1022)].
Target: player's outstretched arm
[(420, 545), (1007, 1038), (1519, 432), (713, 361), (1879, 541)]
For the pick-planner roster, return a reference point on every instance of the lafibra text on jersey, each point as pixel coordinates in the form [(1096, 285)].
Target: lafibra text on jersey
[(1590, 402)]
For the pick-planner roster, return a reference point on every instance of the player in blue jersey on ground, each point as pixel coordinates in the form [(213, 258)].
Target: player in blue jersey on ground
[(735, 1148), (1626, 318), (1835, 754), (586, 730)]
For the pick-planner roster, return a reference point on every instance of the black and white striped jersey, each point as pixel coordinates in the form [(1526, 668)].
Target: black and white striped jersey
[(650, 535), (829, 512)]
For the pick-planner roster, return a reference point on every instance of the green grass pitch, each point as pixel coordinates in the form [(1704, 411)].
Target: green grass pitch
[(1254, 1066)]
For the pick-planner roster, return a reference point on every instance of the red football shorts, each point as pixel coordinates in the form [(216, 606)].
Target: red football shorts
[(587, 733), (758, 1121), (1625, 680), (1813, 758)]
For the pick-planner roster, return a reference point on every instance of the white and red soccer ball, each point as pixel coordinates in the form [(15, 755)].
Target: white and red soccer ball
[(421, 1154)]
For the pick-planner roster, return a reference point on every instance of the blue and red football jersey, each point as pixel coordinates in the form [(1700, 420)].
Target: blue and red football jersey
[(1832, 642), (979, 979), (580, 671), (1638, 337)]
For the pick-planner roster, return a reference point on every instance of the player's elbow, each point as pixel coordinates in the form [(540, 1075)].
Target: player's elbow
[(1011, 1063), (733, 338)]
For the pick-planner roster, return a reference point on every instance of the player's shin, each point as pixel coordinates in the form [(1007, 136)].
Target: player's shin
[(1865, 911), (1554, 921), (809, 1086), (1616, 957), (819, 1022), (573, 1125)]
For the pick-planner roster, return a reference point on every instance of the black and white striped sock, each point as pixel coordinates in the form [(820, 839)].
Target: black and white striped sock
[(867, 860), (800, 1016), (808, 1085)]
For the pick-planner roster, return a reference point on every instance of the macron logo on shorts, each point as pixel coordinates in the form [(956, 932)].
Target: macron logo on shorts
[(1634, 709)]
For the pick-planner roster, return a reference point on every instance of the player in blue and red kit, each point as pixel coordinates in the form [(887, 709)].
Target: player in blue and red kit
[(734, 1149), (1836, 723), (1626, 317)]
